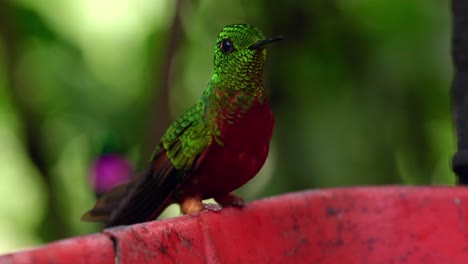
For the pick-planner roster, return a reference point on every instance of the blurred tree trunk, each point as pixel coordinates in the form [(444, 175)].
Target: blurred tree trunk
[(10, 34), (159, 117)]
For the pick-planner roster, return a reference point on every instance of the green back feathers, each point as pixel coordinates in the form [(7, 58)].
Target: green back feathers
[(187, 138)]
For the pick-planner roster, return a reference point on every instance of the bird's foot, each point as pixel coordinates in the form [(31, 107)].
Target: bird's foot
[(238, 202), (190, 205), (212, 207)]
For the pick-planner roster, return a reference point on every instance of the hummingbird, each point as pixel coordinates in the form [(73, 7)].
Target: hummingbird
[(213, 148)]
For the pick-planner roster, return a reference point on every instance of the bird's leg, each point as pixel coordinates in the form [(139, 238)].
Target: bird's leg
[(230, 199), (191, 205)]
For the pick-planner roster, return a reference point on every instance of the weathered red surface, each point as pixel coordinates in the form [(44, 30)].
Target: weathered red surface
[(352, 225), (96, 248)]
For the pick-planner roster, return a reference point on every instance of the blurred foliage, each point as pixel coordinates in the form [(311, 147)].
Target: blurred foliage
[(360, 90)]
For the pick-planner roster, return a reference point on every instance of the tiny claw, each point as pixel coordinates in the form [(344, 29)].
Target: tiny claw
[(212, 207), (230, 199), (238, 202)]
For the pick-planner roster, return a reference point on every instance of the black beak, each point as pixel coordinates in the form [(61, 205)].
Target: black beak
[(262, 43)]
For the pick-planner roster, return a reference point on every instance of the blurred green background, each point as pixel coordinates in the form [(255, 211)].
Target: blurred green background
[(360, 91)]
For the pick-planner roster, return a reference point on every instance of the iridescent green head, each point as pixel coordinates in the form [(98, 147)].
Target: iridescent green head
[(240, 54)]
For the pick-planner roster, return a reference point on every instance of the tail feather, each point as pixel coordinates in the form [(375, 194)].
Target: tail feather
[(107, 204), (150, 193), (141, 200)]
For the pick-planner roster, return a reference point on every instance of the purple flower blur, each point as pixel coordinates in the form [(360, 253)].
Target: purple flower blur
[(109, 171)]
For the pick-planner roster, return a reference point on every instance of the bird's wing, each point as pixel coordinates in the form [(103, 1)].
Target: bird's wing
[(147, 195)]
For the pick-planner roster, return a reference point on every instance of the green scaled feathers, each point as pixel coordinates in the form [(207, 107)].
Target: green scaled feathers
[(186, 138)]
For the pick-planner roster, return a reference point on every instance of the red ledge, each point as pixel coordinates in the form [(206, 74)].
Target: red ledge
[(349, 225)]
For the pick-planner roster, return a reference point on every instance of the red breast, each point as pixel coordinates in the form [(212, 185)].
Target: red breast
[(245, 149)]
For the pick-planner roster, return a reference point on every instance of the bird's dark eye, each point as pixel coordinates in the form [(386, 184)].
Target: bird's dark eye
[(226, 46)]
